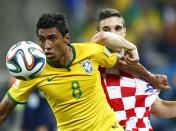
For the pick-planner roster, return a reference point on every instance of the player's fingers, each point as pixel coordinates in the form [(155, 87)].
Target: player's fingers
[(133, 56), (133, 60), (166, 87), (165, 81), (122, 64), (130, 60)]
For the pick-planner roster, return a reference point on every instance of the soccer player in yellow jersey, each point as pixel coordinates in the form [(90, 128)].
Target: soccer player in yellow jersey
[(70, 81)]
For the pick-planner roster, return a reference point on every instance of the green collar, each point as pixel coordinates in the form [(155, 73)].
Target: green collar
[(74, 56), (70, 62)]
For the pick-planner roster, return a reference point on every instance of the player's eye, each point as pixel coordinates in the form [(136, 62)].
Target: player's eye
[(41, 40), (117, 28), (106, 29), (52, 37)]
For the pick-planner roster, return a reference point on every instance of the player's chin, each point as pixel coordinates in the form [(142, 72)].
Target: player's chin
[(50, 60), (53, 62)]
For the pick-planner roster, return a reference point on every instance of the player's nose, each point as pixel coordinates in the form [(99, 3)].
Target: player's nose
[(48, 45)]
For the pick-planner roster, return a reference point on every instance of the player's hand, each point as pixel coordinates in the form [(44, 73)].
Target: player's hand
[(132, 56), (159, 81), (129, 59)]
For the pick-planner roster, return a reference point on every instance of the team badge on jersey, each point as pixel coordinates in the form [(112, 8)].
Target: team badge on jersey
[(87, 65)]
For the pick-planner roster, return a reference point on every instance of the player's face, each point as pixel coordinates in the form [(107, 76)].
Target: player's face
[(53, 44), (114, 25)]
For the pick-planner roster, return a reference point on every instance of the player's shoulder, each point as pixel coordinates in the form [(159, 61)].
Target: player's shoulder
[(87, 45), (88, 48)]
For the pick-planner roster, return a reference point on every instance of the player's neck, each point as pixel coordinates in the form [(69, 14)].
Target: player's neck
[(67, 58)]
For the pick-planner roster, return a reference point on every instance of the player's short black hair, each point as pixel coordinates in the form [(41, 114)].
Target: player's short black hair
[(106, 13), (52, 20)]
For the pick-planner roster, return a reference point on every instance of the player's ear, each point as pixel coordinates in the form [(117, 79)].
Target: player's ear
[(67, 38)]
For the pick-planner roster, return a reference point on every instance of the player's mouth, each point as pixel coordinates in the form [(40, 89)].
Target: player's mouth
[(49, 55)]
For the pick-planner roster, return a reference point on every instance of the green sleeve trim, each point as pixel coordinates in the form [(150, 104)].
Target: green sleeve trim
[(110, 50), (8, 94)]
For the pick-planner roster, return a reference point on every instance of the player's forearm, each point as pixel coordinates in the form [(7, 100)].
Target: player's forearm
[(157, 81), (169, 110), (2, 115), (116, 43), (143, 73), (138, 70), (6, 107), (164, 109), (113, 41)]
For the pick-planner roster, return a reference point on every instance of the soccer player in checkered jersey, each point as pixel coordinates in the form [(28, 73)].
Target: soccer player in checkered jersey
[(131, 98)]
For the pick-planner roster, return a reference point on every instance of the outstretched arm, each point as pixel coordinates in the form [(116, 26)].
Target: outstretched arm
[(129, 62), (158, 81), (164, 109), (6, 107), (116, 42)]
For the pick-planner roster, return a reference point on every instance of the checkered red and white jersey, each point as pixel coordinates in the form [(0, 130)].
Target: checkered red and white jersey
[(131, 99)]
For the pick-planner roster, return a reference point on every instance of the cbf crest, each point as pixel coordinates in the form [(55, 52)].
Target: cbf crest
[(87, 65)]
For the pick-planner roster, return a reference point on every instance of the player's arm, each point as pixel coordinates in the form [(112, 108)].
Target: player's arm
[(158, 81), (116, 42), (129, 61), (6, 107), (163, 109)]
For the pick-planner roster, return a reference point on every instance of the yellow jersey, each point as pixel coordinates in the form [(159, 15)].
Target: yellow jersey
[(74, 93)]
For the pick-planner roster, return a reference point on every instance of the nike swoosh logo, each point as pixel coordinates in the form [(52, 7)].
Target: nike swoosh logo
[(115, 126), (50, 78)]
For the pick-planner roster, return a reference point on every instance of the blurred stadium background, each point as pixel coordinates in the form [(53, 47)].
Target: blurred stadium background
[(151, 25)]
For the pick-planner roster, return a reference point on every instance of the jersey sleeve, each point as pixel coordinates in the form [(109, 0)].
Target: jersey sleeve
[(105, 57), (20, 91)]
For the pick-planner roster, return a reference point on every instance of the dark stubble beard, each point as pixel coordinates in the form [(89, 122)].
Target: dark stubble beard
[(56, 63)]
